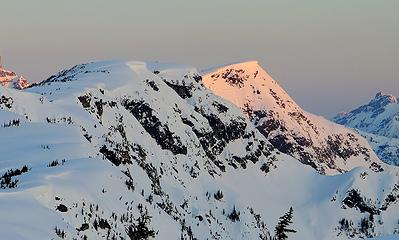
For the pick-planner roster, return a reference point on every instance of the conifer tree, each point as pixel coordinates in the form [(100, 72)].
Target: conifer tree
[(282, 229)]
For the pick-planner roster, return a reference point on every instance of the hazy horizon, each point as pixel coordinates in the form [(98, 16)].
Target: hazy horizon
[(329, 56)]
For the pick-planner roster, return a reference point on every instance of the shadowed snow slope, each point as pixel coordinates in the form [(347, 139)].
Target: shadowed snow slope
[(135, 150), (313, 140)]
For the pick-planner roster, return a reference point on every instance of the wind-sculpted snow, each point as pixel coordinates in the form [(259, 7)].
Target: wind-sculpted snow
[(378, 122), (133, 150), (313, 140)]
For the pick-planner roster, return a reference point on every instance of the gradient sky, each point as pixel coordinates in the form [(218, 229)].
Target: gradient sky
[(329, 55)]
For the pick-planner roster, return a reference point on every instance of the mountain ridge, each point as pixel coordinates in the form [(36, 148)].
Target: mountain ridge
[(130, 150)]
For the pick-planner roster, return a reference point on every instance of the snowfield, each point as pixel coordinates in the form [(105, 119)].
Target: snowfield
[(140, 150)]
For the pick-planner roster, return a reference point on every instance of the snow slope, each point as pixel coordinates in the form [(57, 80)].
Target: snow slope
[(119, 150), (313, 140), (377, 121)]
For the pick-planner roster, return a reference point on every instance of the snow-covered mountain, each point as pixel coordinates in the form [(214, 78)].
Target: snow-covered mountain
[(11, 79), (135, 150), (380, 116), (313, 140), (378, 121)]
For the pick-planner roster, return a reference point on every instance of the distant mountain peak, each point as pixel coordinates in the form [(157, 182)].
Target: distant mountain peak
[(11, 79), (387, 98), (375, 109), (379, 122)]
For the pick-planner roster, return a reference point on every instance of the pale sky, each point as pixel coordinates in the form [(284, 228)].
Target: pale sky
[(330, 56)]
